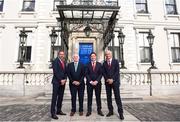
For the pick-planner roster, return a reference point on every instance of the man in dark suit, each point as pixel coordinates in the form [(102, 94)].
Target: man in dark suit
[(58, 82), (112, 81), (93, 76), (76, 83)]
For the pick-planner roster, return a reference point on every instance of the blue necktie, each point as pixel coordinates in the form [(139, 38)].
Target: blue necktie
[(75, 66)]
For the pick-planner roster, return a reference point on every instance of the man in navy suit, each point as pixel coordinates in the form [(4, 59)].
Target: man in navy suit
[(93, 76), (76, 83), (58, 82), (112, 82)]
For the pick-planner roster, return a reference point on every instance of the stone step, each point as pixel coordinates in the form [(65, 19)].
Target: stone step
[(125, 95)]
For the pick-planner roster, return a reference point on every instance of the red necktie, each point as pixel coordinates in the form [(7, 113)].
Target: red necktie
[(93, 65), (62, 64), (109, 64)]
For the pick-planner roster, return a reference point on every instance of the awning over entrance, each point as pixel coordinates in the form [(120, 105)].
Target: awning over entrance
[(99, 15)]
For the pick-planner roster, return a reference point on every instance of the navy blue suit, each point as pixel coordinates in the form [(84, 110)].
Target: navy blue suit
[(95, 75), (58, 90), (112, 72), (76, 76)]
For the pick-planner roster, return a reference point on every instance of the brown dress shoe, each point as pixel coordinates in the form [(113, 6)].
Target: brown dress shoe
[(72, 113), (80, 113)]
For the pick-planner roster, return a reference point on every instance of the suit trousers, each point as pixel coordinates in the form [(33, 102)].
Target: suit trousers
[(97, 89), (57, 98), (74, 91), (116, 90)]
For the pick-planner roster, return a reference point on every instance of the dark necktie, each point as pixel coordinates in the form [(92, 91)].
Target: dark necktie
[(62, 64), (109, 64), (93, 65)]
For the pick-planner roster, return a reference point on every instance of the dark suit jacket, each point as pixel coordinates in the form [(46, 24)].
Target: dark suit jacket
[(78, 75), (93, 75), (112, 72), (58, 72)]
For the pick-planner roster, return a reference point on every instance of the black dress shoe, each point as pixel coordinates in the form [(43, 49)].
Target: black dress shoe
[(60, 113), (54, 117), (88, 114), (109, 114), (121, 116), (100, 113)]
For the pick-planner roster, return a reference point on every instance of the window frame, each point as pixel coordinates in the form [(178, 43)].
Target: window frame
[(60, 2), (144, 47), (146, 7), (174, 8), (174, 47), (26, 53), (31, 9), (1, 7)]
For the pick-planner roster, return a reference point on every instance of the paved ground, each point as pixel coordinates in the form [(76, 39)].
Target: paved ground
[(150, 109)]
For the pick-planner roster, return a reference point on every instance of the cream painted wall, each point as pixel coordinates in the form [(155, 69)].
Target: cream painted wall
[(42, 20)]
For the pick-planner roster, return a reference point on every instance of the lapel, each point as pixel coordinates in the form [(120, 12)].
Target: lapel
[(78, 67)]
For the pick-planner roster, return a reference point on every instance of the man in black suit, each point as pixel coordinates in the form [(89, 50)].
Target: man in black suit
[(76, 83), (93, 76), (112, 81), (58, 82)]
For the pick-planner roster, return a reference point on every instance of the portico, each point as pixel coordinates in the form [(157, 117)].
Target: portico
[(90, 23)]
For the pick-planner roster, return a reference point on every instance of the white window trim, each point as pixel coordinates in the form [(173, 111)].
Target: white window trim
[(166, 16), (30, 13), (28, 65), (136, 15), (137, 30), (168, 32), (2, 14)]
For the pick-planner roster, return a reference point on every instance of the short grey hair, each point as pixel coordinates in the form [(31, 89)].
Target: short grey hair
[(108, 51), (75, 54)]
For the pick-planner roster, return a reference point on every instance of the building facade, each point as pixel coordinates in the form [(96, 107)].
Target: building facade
[(135, 18)]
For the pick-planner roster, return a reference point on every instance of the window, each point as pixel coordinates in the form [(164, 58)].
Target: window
[(144, 47), (26, 53), (171, 7), (28, 5), (58, 2), (115, 51), (175, 47), (1, 5), (141, 6)]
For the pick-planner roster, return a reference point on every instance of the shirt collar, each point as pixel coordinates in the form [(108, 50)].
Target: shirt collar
[(93, 62), (60, 59), (109, 60), (76, 62)]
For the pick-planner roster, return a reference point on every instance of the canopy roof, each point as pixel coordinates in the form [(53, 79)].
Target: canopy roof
[(89, 12)]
